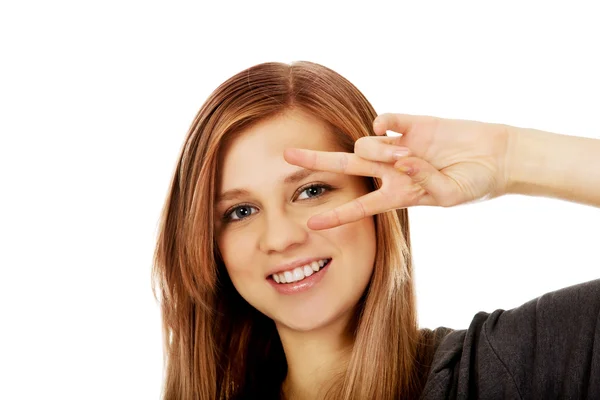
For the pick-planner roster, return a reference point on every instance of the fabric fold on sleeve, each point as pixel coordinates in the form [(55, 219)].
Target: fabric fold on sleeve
[(547, 348)]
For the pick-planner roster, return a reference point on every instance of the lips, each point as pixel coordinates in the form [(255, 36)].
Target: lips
[(305, 284), (292, 265), (300, 272)]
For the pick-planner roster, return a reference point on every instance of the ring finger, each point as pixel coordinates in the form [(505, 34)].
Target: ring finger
[(380, 148)]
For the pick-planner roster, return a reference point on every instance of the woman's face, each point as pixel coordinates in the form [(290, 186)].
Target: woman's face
[(302, 279)]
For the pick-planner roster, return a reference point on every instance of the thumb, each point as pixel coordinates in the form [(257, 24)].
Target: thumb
[(441, 188)]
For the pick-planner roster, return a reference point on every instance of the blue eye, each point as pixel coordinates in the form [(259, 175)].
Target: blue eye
[(312, 191), (239, 212), (243, 211)]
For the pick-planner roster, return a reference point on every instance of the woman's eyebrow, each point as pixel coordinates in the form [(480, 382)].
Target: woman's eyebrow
[(294, 177), (297, 176), (232, 194)]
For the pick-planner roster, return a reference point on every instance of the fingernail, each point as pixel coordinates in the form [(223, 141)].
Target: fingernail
[(406, 169), (397, 154), (317, 223)]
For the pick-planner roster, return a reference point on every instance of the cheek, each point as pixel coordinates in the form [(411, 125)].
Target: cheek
[(357, 241), (237, 255)]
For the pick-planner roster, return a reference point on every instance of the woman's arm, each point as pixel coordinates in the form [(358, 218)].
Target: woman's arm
[(553, 165), (447, 162)]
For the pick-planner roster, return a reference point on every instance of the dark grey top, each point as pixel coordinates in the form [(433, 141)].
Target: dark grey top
[(548, 348)]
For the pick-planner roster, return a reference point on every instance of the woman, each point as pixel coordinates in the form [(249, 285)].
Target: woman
[(260, 300)]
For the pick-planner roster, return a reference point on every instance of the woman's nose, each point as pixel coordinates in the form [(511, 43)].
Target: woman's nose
[(282, 231)]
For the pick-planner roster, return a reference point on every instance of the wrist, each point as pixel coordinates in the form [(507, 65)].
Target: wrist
[(527, 162), (553, 165)]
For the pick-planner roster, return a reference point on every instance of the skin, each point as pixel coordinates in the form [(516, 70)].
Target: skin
[(271, 229), (447, 162), (434, 162)]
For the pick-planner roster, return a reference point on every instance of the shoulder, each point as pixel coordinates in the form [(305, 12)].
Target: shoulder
[(547, 347)]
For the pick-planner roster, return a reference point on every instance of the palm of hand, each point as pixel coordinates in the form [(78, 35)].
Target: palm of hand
[(449, 162), (452, 161)]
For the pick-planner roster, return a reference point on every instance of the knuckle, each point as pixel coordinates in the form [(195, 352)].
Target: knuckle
[(343, 162), (313, 160), (360, 209), (336, 216), (421, 178)]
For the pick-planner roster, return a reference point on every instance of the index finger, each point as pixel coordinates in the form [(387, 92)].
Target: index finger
[(330, 161), (365, 206)]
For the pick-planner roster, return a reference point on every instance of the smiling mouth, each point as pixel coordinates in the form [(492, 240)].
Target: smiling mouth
[(300, 273)]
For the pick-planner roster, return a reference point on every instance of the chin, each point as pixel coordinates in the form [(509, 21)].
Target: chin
[(300, 326), (314, 322)]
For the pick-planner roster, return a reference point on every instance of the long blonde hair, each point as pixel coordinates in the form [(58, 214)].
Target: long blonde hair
[(216, 345)]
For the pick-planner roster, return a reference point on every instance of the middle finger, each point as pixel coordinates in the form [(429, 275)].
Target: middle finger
[(338, 162)]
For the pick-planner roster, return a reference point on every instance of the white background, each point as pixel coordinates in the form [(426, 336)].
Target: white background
[(95, 100)]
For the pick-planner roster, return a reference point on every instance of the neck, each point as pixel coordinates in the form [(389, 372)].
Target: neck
[(314, 359)]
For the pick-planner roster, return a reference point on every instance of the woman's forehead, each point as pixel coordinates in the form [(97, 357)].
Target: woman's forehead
[(259, 149)]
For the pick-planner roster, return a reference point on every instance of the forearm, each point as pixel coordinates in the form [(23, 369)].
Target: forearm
[(553, 165)]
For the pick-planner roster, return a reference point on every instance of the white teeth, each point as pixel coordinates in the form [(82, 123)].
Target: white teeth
[(308, 271), (297, 274), (315, 266), (289, 278)]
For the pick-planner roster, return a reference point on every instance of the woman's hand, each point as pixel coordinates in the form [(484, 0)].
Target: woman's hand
[(436, 162)]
